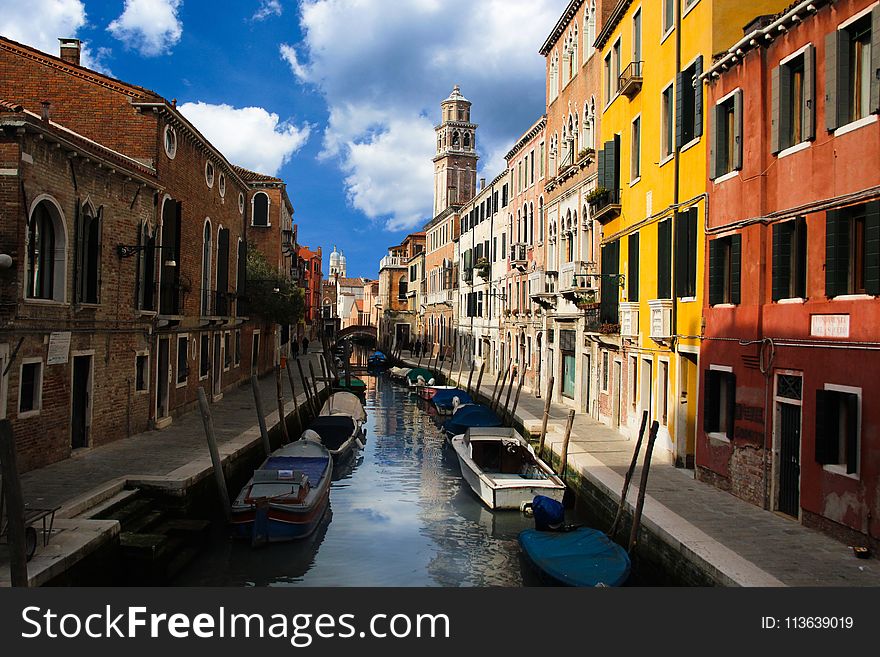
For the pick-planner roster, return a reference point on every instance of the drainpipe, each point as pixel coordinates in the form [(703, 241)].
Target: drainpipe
[(675, 200)]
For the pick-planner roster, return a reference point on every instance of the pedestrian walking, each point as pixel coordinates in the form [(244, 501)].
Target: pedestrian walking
[(305, 345), (294, 348)]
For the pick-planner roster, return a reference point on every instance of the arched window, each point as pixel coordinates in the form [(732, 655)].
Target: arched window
[(206, 270), (573, 56), (46, 244), (88, 255), (467, 140), (531, 223), (554, 76), (402, 289), (541, 219), (589, 29), (222, 277), (147, 268), (455, 139), (261, 209)]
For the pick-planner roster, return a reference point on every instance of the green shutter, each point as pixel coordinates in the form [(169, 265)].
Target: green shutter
[(693, 216), (852, 432), (633, 267), (844, 101), (737, 156), (831, 118), (736, 268), (664, 261), (731, 404), (711, 397), (612, 164), (679, 252), (872, 248), (809, 109), (775, 106), (698, 97), (715, 140), (679, 128), (781, 260), (716, 272), (837, 229), (784, 114), (602, 183), (875, 60), (827, 426)]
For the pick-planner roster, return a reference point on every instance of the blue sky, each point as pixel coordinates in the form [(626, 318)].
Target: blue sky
[(338, 97)]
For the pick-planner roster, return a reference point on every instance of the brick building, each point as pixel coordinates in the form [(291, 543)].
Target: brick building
[(398, 325)]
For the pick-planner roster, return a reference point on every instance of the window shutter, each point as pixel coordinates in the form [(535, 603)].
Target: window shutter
[(738, 130), (843, 75), (852, 433), (691, 286), (95, 262), (79, 241), (827, 426), (698, 97), (716, 272), (836, 253), (784, 114), (664, 262), (601, 168), (872, 248), (680, 253), (710, 403), (781, 260), (678, 110), (715, 123), (831, 118), (612, 171), (731, 403), (633, 267), (736, 268), (809, 109), (875, 60)]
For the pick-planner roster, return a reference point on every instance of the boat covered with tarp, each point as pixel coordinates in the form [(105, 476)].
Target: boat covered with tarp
[(344, 403), (578, 557), (377, 359), (399, 373), (470, 415), (447, 399), (340, 434), (287, 495), (419, 376)]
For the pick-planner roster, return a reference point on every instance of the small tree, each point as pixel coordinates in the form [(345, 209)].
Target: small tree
[(270, 294)]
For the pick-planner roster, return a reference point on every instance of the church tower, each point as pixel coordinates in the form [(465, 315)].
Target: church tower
[(337, 264), (455, 165)]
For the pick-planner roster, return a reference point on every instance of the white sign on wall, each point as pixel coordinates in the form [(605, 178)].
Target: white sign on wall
[(829, 326), (59, 348)]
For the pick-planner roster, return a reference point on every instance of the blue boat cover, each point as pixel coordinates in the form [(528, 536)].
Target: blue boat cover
[(472, 415), (582, 557), (312, 466), (443, 398), (549, 514)]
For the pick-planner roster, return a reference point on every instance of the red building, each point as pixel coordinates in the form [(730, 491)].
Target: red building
[(791, 353), (311, 282)]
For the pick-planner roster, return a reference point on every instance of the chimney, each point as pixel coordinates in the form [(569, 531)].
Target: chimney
[(482, 184), (70, 50), (44, 110)]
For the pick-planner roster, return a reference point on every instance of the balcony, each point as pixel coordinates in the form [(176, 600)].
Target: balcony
[(629, 83), (629, 320), (443, 297), (217, 305), (605, 205), (661, 319), (391, 261), (577, 278), (518, 255)]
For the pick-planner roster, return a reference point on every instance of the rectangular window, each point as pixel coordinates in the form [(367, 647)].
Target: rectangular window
[(608, 79), (204, 355), (532, 167), (663, 392), (141, 372), (541, 163), (790, 259), (719, 408), (792, 99), (30, 396), (852, 88), (725, 265), (237, 360), (605, 374), (634, 380), (837, 429), (636, 154), (852, 250), (667, 116), (632, 276), (668, 15), (689, 89), (686, 253), (637, 36), (182, 359), (227, 350), (615, 62), (860, 70), (664, 259), (725, 151)]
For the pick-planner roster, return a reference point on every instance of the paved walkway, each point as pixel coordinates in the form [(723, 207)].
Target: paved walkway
[(156, 453), (754, 546)]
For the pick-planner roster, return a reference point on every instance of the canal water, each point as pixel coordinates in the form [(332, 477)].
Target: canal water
[(400, 515)]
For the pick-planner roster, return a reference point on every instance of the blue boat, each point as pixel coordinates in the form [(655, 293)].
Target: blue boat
[(444, 399), (580, 557), (377, 360), (287, 496), (470, 415)]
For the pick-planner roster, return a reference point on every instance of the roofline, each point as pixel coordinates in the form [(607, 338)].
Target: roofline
[(533, 132), (559, 28), (611, 24)]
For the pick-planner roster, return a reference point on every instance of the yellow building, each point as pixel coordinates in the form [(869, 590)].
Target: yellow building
[(651, 201)]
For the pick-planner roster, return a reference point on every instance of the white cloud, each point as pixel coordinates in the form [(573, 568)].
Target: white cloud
[(43, 21), (250, 137), (268, 8), (384, 71), (152, 27), (288, 54)]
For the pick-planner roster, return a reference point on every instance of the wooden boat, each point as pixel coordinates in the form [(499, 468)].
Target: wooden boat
[(503, 469), (340, 434), (419, 377), (399, 373), (579, 557), (350, 384), (287, 496), (345, 403), (467, 416)]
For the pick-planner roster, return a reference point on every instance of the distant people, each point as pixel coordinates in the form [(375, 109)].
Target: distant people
[(418, 348), (294, 348), (305, 342)]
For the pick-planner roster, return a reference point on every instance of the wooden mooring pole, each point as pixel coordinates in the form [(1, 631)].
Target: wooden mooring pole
[(316, 397), (14, 507), (509, 393), (495, 387), (302, 377), (290, 380), (479, 379), (643, 484), (546, 416), (522, 380), (628, 479), (261, 415), (219, 477), (282, 418), (497, 402), (470, 377), (563, 458)]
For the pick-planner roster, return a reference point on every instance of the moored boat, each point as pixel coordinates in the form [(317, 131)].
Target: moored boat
[(287, 495), (466, 416), (340, 434), (419, 377), (449, 398), (578, 557), (502, 468)]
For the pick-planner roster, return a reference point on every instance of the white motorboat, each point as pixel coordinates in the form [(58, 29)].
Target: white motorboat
[(502, 468)]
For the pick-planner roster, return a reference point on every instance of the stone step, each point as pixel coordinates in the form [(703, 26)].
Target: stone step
[(110, 505)]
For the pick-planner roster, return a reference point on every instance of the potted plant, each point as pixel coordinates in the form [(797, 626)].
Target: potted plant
[(597, 195), (483, 268), (585, 153), (586, 300)]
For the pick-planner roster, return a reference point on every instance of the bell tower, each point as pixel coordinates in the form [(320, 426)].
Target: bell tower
[(455, 164)]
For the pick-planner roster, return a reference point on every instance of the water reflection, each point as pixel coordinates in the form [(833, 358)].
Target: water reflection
[(401, 516)]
